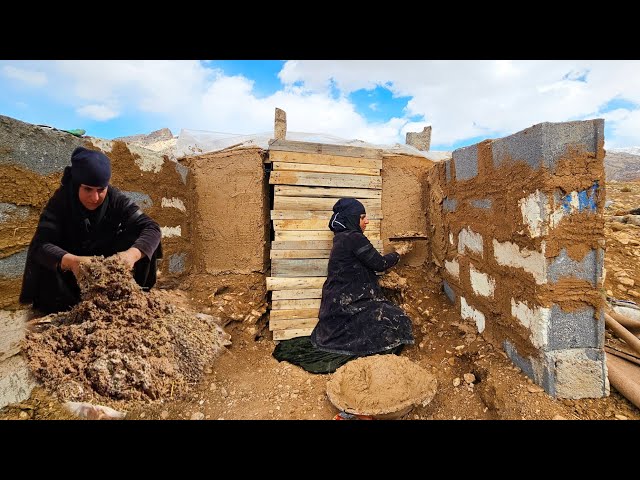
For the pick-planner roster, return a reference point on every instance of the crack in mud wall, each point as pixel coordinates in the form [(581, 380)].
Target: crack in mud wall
[(518, 232)]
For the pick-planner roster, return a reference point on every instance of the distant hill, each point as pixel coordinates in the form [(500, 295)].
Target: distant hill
[(622, 164)]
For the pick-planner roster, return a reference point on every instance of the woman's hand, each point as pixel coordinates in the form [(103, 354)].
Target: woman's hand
[(72, 262), (130, 257)]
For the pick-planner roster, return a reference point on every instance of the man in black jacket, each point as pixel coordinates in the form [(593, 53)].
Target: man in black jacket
[(86, 217)]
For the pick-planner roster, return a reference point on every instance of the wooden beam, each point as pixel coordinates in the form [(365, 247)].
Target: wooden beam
[(293, 324), (298, 293), (325, 149), (307, 267), (325, 179), (323, 159), (294, 283), (295, 303), (312, 244), (291, 333), (314, 224), (327, 192), (309, 214), (296, 313), (310, 167), (300, 253), (298, 235), (281, 202)]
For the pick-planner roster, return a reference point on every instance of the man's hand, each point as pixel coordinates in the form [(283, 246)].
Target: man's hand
[(404, 247), (72, 262), (130, 257)]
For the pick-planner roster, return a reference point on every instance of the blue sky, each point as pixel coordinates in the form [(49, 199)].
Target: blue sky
[(369, 100)]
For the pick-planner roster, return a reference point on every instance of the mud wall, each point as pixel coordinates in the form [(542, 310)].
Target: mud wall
[(518, 229), (230, 222), (405, 202), (32, 159)]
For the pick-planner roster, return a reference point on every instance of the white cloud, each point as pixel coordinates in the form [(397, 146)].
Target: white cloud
[(373, 106), (28, 77), (460, 99), (97, 112)]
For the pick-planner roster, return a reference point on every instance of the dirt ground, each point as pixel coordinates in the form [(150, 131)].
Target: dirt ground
[(474, 379)]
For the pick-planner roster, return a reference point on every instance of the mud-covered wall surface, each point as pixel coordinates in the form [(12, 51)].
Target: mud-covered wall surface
[(230, 223), (518, 230), (32, 159), (405, 203)]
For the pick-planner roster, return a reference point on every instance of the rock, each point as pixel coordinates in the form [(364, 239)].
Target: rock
[(558, 417), (535, 389), (24, 414), (197, 416), (629, 282), (142, 415), (469, 377), (164, 414), (452, 361), (621, 417), (456, 381), (223, 392)]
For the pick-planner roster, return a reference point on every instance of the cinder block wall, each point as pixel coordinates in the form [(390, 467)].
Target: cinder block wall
[(31, 163), (518, 230)]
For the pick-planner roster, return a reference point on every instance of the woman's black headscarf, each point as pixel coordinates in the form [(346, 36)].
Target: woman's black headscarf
[(346, 215)]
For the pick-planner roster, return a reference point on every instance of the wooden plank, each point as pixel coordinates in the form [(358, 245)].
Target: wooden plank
[(295, 303), (300, 253), (314, 224), (294, 283), (306, 267), (312, 244), (325, 179), (298, 293), (325, 149), (293, 324), (298, 235), (296, 313), (310, 167), (372, 214), (323, 159), (327, 192), (281, 202), (291, 333)]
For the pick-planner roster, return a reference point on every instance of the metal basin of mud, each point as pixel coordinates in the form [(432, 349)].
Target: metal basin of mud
[(384, 387)]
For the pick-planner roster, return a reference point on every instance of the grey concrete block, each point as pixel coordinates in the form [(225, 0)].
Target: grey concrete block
[(449, 205), (176, 262), (524, 364), (577, 373), (561, 136), (447, 170), (451, 295), (466, 162), (40, 150), (485, 203), (13, 265), (11, 210), (141, 199), (599, 265), (525, 145), (545, 143), (182, 170), (564, 266), (577, 329)]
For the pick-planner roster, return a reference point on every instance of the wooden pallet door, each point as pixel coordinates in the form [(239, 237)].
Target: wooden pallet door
[(308, 180)]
